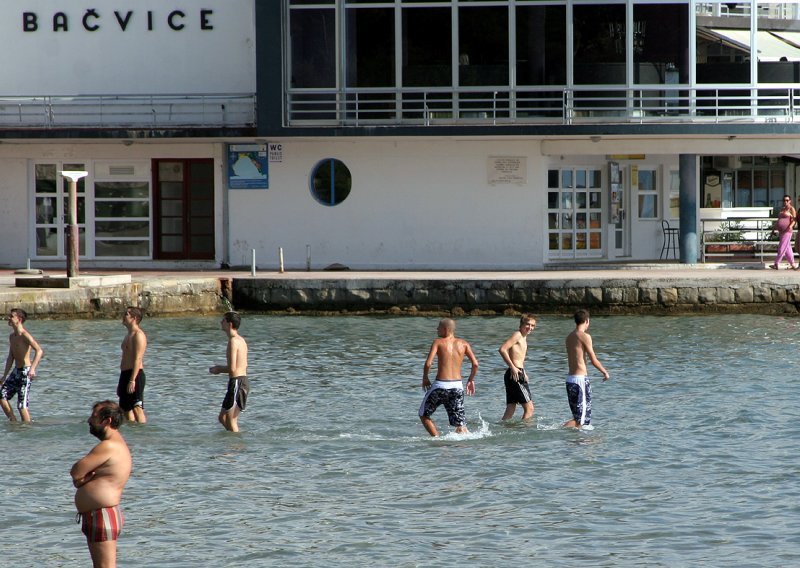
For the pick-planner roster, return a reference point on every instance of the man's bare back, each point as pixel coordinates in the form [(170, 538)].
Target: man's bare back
[(579, 347), (450, 352)]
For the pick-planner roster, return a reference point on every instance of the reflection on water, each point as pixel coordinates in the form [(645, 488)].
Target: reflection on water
[(692, 462)]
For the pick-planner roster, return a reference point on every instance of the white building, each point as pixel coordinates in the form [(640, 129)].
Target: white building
[(142, 95), (462, 134)]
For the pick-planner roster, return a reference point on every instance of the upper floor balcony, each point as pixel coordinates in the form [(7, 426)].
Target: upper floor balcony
[(163, 111), (603, 104)]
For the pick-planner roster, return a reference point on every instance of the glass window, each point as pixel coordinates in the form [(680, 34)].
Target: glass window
[(330, 182), (723, 45), (660, 54), (313, 48), (541, 49), (674, 194), (370, 47), (648, 194), (427, 51), (599, 44), (574, 216), (483, 46)]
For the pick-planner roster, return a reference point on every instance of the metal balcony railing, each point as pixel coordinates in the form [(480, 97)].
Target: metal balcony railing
[(743, 238), (128, 111), (605, 104)]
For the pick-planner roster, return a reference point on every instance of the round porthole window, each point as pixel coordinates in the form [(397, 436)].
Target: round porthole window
[(331, 182)]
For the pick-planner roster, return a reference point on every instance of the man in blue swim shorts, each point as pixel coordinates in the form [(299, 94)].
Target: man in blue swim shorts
[(579, 390), (449, 352)]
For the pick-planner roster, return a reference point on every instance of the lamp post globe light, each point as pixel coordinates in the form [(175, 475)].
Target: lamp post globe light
[(72, 235)]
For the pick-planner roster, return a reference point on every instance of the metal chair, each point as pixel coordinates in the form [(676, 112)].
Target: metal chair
[(672, 237)]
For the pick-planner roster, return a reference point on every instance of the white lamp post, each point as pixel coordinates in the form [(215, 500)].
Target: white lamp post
[(72, 234)]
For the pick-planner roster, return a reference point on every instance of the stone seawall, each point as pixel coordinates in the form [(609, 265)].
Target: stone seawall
[(158, 297), (656, 295)]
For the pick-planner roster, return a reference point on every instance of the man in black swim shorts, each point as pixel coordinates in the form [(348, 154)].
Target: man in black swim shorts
[(236, 368), (130, 388)]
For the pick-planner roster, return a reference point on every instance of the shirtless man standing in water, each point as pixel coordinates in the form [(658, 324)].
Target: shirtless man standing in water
[(236, 368), (579, 391), (100, 477), (18, 382), (513, 352), (130, 389), (449, 352)]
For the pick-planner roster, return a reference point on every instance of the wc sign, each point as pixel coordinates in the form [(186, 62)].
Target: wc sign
[(275, 151)]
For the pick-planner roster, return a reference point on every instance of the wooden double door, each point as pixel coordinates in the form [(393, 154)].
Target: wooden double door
[(184, 209)]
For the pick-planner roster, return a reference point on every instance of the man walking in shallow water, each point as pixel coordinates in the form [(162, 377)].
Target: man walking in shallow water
[(235, 399), (449, 352), (100, 477), (579, 390)]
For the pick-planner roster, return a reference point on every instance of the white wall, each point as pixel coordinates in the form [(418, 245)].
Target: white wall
[(137, 60), (414, 204), (14, 212)]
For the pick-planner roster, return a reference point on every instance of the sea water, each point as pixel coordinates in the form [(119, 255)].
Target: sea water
[(693, 460)]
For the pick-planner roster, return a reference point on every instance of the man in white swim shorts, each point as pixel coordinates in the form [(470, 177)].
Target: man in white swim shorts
[(579, 390), (449, 352)]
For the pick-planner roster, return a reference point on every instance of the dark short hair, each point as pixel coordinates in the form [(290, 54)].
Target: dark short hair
[(109, 409), (21, 314), (135, 312), (581, 316), (233, 318)]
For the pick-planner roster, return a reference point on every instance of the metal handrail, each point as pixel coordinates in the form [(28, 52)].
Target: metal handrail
[(753, 232), (145, 110), (645, 103)]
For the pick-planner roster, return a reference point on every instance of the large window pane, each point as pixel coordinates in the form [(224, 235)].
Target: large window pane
[(313, 48), (370, 48), (427, 54), (661, 43), (599, 44), (723, 44), (45, 178), (541, 49), (483, 46)]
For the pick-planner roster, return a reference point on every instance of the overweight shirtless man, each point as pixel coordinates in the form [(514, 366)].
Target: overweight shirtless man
[(449, 352), (579, 391), (100, 477)]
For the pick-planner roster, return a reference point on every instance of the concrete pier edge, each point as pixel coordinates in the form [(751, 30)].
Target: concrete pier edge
[(666, 291)]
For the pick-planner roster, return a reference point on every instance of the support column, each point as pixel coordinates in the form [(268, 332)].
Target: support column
[(688, 208)]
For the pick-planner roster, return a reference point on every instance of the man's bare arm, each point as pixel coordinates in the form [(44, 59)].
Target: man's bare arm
[(138, 347), (426, 369), (9, 362), (589, 350), (474, 371), (506, 355), (33, 344), (84, 469)]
